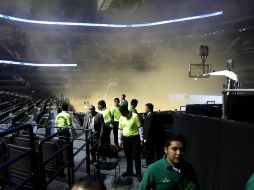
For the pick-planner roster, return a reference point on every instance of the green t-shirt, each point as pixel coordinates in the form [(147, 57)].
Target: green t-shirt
[(162, 176), (106, 115), (63, 119), (115, 113), (130, 126), (133, 110), (250, 183)]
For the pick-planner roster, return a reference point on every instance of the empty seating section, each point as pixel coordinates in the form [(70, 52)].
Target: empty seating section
[(43, 154)]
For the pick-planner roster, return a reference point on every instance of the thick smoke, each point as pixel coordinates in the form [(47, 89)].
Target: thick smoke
[(148, 64)]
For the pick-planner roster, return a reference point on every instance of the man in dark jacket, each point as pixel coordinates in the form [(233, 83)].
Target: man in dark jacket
[(150, 136), (94, 121)]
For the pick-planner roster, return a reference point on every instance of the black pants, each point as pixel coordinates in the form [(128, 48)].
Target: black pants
[(115, 132), (105, 137), (153, 151), (93, 144), (132, 149)]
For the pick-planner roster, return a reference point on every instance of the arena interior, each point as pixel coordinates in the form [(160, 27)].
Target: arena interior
[(192, 60)]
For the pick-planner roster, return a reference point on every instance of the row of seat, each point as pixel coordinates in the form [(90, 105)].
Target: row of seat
[(20, 170)]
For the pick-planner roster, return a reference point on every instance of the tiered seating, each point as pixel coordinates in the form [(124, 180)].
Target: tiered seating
[(36, 113)]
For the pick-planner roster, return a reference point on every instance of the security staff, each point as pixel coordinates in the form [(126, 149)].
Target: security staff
[(115, 113), (64, 119), (129, 123), (108, 122)]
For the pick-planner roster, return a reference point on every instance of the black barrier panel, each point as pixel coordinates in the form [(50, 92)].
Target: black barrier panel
[(212, 110), (202, 138), (237, 155), (239, 107), (219, 150)]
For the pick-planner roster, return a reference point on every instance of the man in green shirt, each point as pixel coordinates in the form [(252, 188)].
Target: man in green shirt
[(115, 114), (172, 172), (63, 119), (250, 183), (134, 103), (108, 122), (129, 123)]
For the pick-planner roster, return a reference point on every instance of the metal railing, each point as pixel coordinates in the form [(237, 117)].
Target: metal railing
[(86, 146), (41, 162), (66, 136), (30, 152)]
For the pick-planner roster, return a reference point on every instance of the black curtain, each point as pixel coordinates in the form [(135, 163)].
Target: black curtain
[(221, 151)]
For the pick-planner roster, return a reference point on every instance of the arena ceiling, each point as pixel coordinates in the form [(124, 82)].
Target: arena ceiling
[(108, 56)]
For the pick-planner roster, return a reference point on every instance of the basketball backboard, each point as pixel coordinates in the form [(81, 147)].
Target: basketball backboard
[(196, 70)]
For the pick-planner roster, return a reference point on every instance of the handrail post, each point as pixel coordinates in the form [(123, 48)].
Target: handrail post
[(87, 154), (72, 158), (224, 104), (69, 158), (41, 169), (34, 160)]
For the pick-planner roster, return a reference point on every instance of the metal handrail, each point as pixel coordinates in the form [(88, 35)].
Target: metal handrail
[(9, 162), (43, 181), (238, 90), (31, 152), (86, 158)]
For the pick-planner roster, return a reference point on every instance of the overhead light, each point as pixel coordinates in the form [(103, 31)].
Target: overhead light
[(111, 25), (36, 64)]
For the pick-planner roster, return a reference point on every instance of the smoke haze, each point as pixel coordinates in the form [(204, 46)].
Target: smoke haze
[(149, 64)]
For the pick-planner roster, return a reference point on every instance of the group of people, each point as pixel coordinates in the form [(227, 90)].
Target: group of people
[(131, 131)]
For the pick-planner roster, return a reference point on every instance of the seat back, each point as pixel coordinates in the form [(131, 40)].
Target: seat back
[(24, 141), (48, 149), (21, 141), (22, 168), (108, 151)]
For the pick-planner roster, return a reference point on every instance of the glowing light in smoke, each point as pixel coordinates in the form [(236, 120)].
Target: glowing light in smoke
[(36, 64), (111, 25)]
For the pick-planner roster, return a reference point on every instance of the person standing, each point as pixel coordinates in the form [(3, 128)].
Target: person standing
[(171, 172), (149, 135), (108, 122), (123, 100), (94, 121), (115, 114), (63, 119), (134, 103), (129, 123)]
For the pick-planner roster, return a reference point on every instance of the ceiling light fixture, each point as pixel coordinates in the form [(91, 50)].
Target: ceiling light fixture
[(36, 64), (111, 25)]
